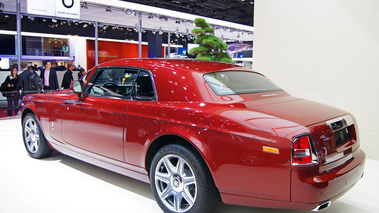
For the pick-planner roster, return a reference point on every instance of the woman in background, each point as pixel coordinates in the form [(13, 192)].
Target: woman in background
[(9, 88)]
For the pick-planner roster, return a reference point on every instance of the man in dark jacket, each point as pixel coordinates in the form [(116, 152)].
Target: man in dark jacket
[(67, 78), (49, 77), (23, 82)]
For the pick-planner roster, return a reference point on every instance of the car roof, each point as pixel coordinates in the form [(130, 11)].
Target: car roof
[(176, 79), (167, 63)]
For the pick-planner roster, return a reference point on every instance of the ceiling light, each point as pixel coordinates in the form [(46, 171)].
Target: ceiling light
[(54, 20), (108, 9), (85, 25), (84, 5), (163, 18)]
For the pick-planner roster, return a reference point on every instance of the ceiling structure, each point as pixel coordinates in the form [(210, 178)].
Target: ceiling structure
[(221, 15), (237, 11)]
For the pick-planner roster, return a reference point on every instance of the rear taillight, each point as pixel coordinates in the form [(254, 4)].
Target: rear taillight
[(303, 151)]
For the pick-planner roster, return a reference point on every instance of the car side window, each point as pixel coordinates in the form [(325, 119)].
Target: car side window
[(115, 82), (144, 87)]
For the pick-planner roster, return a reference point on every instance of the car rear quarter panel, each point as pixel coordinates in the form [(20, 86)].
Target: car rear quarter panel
[(231, 144)]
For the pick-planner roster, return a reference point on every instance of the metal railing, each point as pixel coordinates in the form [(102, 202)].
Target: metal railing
[(46, 52)]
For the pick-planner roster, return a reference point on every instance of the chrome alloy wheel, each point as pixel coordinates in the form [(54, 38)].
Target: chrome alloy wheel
[(175, 183), (32, 139)]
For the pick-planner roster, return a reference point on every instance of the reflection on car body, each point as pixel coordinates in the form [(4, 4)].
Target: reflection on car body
[(197, 130)]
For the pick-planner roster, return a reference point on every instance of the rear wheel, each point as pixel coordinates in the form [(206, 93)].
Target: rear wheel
[(34, 140), (181, 181)]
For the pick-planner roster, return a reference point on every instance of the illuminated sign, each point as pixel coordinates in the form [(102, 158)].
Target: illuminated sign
[(67, 8), (58, 8)]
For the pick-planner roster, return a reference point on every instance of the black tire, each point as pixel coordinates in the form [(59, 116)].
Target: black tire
[(186, 185), (34, 139)]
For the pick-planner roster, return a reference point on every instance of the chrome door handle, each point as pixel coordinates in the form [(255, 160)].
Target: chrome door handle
[(69, 101)]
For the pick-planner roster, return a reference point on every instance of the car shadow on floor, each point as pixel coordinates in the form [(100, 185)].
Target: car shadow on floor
[(130, 184), (143, 189)]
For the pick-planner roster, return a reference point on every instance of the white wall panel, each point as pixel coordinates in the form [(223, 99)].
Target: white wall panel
[(79, 50), (326, 51)]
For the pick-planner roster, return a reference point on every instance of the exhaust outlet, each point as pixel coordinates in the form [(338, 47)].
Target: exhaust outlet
[(322, 206)]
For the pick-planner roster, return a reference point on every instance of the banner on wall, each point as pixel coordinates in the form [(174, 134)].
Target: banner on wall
[(67, 8), (41, 7), (58, 8)]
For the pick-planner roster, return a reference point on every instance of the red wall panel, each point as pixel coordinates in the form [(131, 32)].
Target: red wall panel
[(109, 50)]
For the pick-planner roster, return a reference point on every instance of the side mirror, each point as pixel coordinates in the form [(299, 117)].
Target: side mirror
[(77, 86)]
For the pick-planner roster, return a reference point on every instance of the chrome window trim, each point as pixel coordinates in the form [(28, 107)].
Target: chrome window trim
[(129, 97)]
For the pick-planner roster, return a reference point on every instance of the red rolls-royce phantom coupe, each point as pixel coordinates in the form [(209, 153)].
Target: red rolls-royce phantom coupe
[(198, 131)]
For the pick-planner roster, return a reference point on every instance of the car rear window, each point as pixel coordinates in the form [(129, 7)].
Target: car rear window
[(239, 82)]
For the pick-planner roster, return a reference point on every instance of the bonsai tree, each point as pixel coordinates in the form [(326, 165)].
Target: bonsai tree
[(211, 48)]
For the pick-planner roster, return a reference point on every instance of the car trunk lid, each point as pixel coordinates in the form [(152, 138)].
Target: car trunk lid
[(298, 110), (333, 130)]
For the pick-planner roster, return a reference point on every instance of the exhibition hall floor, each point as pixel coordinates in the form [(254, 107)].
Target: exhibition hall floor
[(61, 184)]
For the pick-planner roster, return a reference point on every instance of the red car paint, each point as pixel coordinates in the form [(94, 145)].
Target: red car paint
[(229, 132)]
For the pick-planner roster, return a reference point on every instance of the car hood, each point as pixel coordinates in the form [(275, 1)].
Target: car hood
[(297, 110)]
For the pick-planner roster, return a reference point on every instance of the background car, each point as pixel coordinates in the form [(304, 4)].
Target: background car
[(198, 131)]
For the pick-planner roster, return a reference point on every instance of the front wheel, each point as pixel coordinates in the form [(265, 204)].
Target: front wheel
[(181, 181), (34, 140)]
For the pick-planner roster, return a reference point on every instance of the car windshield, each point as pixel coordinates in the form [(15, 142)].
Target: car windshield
[(239, 82)]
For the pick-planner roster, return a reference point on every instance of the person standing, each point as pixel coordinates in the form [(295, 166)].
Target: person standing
[(49, 77), (24, 66), (67, 77), (23, 83), (9, 87), (81, 73)]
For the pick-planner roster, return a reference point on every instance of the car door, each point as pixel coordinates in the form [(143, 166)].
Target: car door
[(142, 123), (96, 123)]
